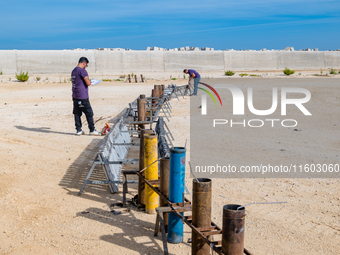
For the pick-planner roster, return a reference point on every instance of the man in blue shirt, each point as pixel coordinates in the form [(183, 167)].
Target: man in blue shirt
[(80, 94), (193, 75)]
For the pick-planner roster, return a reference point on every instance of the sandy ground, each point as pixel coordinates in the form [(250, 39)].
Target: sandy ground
[(43, 165)]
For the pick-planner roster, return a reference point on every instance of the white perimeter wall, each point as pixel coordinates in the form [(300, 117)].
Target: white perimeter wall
[(116, 62)]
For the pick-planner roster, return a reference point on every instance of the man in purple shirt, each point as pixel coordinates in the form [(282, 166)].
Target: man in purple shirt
[(80, 94), (193, 75)]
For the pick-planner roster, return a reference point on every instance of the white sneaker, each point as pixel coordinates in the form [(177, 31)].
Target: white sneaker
[(81, 132), (95, 132)]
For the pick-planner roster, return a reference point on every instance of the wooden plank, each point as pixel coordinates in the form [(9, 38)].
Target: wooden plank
[(217, 242), (178, 209), (165, 245), (211, 233), (204, 229), (180, 204), (154, 182), (156, 225)]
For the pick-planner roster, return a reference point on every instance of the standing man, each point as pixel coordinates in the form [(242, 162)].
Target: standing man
[(193, 75), (80, 94)]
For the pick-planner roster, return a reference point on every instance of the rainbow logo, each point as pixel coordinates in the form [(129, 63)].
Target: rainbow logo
[(209, 93)]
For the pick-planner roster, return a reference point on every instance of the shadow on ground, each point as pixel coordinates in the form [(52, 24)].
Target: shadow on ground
[(76, 174), (43, 130), (78, 170), (138, 235)]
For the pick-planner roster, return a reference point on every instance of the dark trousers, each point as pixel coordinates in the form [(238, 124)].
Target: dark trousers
[(81, 106)]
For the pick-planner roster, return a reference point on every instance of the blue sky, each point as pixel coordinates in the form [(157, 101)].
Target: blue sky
[(220, 24)]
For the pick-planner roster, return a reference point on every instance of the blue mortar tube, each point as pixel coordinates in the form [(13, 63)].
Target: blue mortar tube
[(176, 190)]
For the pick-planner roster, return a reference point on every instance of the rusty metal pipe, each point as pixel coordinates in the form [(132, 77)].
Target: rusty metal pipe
[(164, 186), (162, 89), (185, 220), (233, 230), (201, 214), (141, 111), (213, 246), (156, 88), (159, 90), (154, 101)]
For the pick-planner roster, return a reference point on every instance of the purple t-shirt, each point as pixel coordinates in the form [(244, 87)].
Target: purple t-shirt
[(79, 87), (192, 71)]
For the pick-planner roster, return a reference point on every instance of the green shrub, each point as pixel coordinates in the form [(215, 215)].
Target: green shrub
[(229, 73), (106, 80), (288, 71), (254, 75), (243, 74), (38, 78), (132, 75), (173, 79), (321, 74), (118, 80), (0, 72), (22, 76), (332, 71)]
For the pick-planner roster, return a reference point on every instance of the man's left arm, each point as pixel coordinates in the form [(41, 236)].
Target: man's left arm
[(87, 81)]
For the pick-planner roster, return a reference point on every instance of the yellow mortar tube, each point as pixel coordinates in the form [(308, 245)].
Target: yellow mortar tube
[(151, 173)]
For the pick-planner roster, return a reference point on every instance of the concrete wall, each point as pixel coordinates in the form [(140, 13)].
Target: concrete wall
[(250, 60), (128, 61), (8, 61), (117, 62), (209, 61)]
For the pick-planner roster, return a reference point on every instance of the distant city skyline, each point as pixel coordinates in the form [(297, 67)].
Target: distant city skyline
[(218, 24)]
